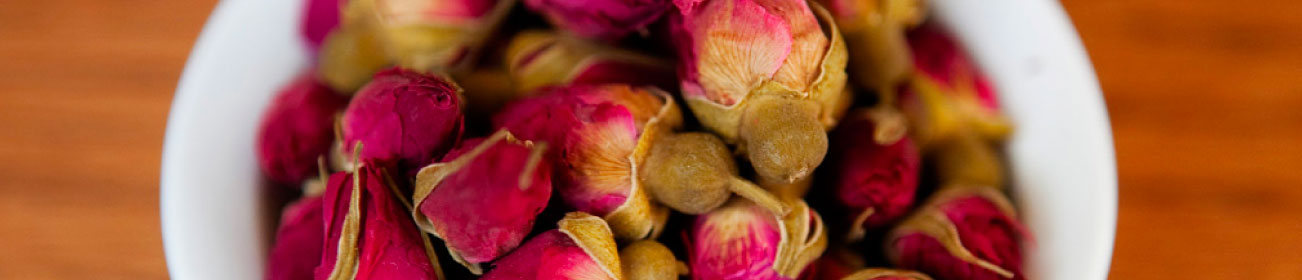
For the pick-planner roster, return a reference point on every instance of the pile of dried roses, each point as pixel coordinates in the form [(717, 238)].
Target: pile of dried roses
[(449, 139)]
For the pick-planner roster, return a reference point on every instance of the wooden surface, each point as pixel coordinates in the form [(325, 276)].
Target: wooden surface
[(1205, 99)]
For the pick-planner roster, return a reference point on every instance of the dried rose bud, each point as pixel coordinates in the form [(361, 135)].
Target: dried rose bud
[(538, 58), (296, 129), (349, 57), (875, 36), (743, 241), (429, 35), (319, 18), (875, 181), (968, 160), (482, 198), (606, 19), (369, 233), (767, 75), (649, 260), (604, 133), (487, 89), (694, 173), (582, 248), (886, 274), (833, 265), (297, 249), (961, 233), (404, 117), (542, 118), (949, 95)]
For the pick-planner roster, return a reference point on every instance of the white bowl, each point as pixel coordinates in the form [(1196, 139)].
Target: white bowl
[(214, 218)]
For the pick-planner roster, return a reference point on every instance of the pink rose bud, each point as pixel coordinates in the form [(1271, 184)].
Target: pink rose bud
[(369, 233), (319, 18), (949, 95), (886, 274), (538, 58), (404, 117), (296, 129), (768, 75), (604, 133), (483, 197), (742, 240), (582, 248), (297, 249), (600, 19), (876, 182), (961, 233)]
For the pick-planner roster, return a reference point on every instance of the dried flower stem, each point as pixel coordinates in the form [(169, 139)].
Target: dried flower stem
[(754, 193)]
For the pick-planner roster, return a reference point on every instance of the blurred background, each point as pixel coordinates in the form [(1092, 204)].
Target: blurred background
[(1205, 99)]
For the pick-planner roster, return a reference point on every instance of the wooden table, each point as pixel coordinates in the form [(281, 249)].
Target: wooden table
[(1205, 99)]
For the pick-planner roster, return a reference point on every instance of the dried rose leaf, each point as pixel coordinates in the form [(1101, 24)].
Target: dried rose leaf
[(483, 198), (963, 232)]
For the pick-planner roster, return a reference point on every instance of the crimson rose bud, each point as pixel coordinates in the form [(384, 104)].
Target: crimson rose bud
[(600, 19), (297, 250), (296, 130), (404, 117), (877, 181), (603, 133), (369, 233), (483, 197), (961, 233), (319, 18)]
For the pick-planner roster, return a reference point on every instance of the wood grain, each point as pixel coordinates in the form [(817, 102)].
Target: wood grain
[(84, 92), (1206, 108), (1205, 99)]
